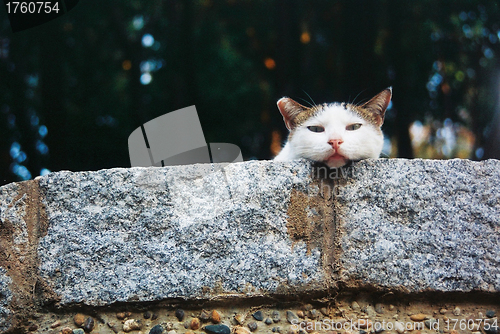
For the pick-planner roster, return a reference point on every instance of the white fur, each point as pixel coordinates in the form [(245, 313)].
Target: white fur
[(363, 143)]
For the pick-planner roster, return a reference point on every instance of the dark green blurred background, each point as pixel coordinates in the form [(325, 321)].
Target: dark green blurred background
[(72, 90)]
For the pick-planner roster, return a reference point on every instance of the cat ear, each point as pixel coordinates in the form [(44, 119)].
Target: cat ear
[(290, 109), (378, 105)]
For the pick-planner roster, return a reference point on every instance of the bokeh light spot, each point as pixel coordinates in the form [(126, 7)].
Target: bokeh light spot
[(270, 63), (126, 65), (305, 38), (147, 40), (146, 78), (44, 171)]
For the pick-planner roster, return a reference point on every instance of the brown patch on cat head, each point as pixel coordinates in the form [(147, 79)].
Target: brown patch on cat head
[(374, 110), (294, 113)]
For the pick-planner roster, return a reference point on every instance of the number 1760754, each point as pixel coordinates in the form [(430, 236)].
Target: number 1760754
[(32, 7)]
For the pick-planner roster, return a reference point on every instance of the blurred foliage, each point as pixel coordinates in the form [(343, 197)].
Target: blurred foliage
[(72, 90)]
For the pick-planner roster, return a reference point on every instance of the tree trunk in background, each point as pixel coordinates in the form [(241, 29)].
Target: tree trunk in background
[(288, 65), (180, 60), (51, 93), (188, 53), (404, 87), (405, 149), (287, 57), (492, 142)]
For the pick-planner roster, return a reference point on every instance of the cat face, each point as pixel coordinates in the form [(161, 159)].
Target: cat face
[(335, 133)]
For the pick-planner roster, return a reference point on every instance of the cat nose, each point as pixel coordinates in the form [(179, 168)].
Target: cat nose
[(335, 143)]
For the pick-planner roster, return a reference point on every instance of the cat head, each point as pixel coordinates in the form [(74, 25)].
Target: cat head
[(336, 133)]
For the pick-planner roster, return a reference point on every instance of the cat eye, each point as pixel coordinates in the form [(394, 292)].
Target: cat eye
[(352, 127), (316, 128)]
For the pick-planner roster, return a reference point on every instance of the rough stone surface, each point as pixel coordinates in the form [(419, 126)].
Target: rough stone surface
[(149, 234), (5, 300), (260, 228), (422, 225)]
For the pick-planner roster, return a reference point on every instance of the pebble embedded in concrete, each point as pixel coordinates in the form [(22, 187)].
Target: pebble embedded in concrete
[(431, 323), (88, 325), (291, 317), (216, 317), (67, 330), (276, 316), (379, 308), (399, 327), (194, 324), (252, 326), (418, 317), (240, 318), (168, 326), (313, 314), (204, 316), (258, 316), (179, 314), (79, 319), (131, 325), (158, 329), (217, 329)]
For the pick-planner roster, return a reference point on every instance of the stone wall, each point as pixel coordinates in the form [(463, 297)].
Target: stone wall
[(258, 229)]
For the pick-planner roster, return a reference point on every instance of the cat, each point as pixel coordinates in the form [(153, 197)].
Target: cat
[(334, 133)]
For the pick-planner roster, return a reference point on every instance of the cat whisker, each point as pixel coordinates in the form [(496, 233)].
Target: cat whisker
[(307, 102), (313, 103), (354, 101)]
